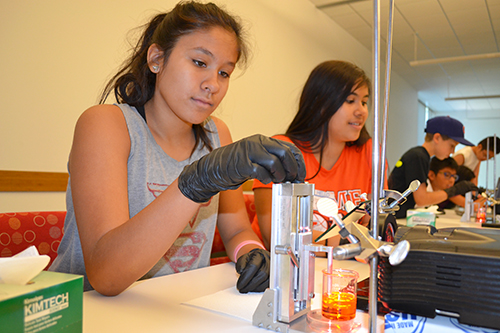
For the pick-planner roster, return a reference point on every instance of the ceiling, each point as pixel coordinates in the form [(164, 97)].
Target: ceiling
[(434, 29)]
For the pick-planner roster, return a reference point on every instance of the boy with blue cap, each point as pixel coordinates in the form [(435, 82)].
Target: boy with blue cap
[(443, 135)]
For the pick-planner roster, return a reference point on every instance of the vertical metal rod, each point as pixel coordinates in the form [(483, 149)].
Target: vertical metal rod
[(387, 93), (415, 40), (494, 160), (373, 288), (487, 161), (495, 182)]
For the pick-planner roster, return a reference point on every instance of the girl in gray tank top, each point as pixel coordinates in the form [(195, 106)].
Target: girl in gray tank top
[(145, 174)]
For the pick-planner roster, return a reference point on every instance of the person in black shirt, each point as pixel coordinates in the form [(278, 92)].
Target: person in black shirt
[(443, 135)]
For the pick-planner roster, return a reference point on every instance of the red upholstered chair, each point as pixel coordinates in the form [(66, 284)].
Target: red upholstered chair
[(219, 255), (250, 205), (19, 231)]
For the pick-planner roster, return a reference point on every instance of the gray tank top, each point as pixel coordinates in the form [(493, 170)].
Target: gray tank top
[(150, 172)]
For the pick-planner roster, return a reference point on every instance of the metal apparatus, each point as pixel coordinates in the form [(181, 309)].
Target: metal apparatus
[(494, 195), (387, 205), (292, 267), (288, 299), (492, 200), (291, 285), (468, 208), (363, 246)]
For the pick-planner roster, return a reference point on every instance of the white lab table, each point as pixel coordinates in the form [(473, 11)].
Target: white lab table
[(158, 305)]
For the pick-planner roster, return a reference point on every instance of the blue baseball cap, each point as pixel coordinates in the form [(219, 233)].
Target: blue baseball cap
[(448, 126)]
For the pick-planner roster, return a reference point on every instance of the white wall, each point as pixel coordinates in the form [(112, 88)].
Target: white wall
[(57, 54), (404, 122)]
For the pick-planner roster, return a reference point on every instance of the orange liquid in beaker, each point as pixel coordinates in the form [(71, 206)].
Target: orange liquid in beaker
[(339, 306)]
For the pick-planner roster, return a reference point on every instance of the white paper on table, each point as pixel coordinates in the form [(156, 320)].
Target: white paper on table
[(242, 306), (22, 267), (229, 302)]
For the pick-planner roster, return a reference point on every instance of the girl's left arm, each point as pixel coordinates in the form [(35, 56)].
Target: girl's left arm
[(233, 222)]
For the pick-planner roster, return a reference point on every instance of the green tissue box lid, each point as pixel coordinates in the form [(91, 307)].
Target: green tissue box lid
[(50, 302)]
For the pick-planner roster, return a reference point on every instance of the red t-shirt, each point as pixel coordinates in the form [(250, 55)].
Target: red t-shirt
[(350, 177)]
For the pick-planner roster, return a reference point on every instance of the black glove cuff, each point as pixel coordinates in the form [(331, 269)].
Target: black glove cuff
[(190, 189), (450, 192)]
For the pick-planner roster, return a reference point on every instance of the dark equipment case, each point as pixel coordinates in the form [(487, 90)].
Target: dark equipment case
[(453, 272)]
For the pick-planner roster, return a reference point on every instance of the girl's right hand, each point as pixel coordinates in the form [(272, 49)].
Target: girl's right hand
[(226, 168)]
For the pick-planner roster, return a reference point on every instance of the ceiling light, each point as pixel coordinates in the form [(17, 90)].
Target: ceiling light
[(452, 59), (471, 97), (338, 3)]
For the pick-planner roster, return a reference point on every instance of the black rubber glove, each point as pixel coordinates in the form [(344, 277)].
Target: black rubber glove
[(226, 168), (461, 188), (253, 268)]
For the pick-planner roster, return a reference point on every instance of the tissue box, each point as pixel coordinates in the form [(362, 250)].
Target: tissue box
[(415, 217), (48, 303), (397, 322)]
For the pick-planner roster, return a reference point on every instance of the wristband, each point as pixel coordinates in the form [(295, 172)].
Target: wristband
[(240, 245)]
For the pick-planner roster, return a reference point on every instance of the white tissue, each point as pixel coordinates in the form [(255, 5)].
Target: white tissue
[(22, 267)]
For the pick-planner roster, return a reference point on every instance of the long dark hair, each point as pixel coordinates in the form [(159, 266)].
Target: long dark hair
[(134, 83), (324, 92)]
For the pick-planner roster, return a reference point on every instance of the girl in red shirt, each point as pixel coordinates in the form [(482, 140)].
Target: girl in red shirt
[(329, 128)]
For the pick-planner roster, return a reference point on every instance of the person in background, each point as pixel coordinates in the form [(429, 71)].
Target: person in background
[(442, 174), (329, 128), (472, 157), (149, 177), (443, 135), (463, 174)]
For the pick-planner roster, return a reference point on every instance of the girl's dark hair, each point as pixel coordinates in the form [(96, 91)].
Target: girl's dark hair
[(324, 92), (134, 83)]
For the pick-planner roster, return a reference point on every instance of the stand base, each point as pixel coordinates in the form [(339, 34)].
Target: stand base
[(318, 323)]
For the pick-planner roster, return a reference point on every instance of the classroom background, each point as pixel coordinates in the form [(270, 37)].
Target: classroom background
[(57, 55)]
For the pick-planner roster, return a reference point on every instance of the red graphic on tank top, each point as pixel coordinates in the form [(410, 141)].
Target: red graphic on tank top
[(156, 189), (187, 248), (181, 258)]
